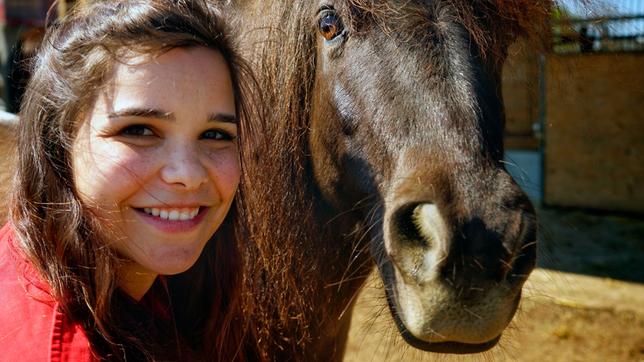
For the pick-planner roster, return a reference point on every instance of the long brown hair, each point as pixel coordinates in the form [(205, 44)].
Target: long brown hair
[(55, 229)]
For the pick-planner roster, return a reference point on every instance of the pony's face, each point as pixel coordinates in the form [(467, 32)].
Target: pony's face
[(408, 117)]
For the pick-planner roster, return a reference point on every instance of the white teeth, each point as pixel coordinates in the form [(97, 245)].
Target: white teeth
[(172, 214), (185, 215)]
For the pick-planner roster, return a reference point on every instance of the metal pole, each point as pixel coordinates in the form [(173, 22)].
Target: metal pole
[(543, 123)]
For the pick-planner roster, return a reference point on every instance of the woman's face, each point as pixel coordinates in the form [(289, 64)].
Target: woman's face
[(156, 159)]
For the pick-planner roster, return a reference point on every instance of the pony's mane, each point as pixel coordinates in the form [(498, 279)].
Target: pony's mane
[(283, 255), (281, 226), (492, 24), (497, 23)]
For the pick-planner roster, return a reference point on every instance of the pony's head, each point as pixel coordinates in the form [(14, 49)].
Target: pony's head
[(407, 118), (384, 123)]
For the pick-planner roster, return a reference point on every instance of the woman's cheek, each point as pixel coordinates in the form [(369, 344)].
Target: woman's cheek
[(113, 171), (225, 171)]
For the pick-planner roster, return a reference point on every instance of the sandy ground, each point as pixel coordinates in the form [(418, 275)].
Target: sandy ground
[(584, 303)]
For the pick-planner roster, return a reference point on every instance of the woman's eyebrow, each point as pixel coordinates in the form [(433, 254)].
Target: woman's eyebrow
[(160, 114), (142, 112), (223, 117)]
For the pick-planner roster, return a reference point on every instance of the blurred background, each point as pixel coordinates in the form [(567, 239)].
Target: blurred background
[(574, 142)]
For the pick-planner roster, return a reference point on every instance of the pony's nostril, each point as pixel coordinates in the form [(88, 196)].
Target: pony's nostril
[(470, 252), (405, 227), (429, 223), (420, 225), (525, 255), (416, 243)]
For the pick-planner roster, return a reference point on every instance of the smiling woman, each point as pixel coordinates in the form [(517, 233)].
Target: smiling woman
[(122, 242), (157, 141)]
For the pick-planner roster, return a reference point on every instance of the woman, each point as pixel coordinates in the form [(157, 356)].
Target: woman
[(127, 175)]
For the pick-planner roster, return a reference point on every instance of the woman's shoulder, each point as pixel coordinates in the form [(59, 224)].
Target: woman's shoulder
[(32, 328), (18, 276)]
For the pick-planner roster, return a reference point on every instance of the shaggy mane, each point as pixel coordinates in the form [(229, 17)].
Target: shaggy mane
[(492, 24)]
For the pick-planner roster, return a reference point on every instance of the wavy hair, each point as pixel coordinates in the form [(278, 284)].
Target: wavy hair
[(59, 234)]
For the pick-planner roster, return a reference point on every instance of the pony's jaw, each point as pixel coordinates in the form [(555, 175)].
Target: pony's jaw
[(436, 313)]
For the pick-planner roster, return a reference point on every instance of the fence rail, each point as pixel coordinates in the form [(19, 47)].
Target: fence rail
[(624, 33)]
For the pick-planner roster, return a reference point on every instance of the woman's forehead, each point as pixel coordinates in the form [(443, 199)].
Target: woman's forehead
[(182, 79), (173, 61)]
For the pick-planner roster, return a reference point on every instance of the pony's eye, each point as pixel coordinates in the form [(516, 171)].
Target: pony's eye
[(330, 26)]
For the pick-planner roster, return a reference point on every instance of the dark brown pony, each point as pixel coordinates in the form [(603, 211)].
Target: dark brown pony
[(383, 146)]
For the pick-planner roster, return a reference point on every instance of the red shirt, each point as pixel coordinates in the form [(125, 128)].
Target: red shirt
[(32, 328)]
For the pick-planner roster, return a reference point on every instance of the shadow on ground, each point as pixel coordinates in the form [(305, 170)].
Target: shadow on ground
[(601, 245)]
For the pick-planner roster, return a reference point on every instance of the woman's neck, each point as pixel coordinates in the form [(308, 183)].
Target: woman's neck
[(135, 280)]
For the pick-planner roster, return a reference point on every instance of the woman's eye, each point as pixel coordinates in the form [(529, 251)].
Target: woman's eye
[(330, 25), (218, 135), (137, 130)]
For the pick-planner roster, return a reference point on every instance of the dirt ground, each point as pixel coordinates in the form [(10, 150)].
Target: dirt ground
[(585, 302)]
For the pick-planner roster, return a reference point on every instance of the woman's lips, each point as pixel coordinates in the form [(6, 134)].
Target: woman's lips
[(177, 219)]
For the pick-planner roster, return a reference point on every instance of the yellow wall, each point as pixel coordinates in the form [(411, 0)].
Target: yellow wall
[(521, 97), (594, 153)]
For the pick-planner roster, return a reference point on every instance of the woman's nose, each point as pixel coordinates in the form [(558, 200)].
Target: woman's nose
[(184, 169)]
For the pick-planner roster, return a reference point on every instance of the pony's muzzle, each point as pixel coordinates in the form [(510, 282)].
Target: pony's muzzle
[(455, 281), (416, 242)]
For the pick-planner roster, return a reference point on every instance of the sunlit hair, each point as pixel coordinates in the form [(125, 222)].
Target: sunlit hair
[(59, 234)]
